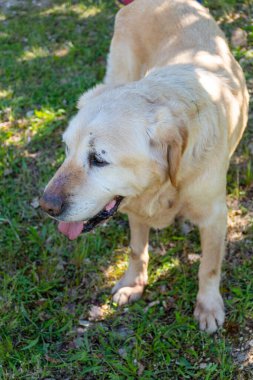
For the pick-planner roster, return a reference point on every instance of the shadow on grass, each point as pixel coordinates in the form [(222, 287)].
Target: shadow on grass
[(74, 39), (60, 58)]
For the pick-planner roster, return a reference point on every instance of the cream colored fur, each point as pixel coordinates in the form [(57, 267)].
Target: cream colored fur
[(169, 115)]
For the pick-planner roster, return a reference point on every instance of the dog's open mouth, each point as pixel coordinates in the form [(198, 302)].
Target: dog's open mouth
[(73, 229)]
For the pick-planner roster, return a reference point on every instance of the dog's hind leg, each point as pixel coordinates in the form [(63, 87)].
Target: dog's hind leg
[(131, 285), (209, 309)]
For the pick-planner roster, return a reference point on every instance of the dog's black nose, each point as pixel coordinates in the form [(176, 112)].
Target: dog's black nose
[(52, 204)]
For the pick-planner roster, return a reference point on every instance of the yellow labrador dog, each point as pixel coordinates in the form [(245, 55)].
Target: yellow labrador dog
[(155, 140)]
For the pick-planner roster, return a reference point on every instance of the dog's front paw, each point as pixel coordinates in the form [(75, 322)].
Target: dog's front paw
[(127, 294), (210, 313)]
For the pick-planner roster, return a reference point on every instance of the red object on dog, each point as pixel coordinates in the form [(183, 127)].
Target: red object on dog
[(125, 2)]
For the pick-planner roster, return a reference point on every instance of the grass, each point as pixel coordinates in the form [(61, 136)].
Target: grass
[(51, 52)]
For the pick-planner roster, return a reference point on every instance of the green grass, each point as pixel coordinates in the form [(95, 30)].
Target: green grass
[(49, 55)]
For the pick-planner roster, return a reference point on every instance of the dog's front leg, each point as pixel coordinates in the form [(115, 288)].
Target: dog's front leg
[(131, 285), (209, 309)]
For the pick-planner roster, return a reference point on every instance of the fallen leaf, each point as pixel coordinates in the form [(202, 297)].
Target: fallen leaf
[(151, 304), (239, 38), (140, 369), (97, 313), (35, 202), (193, 257), (51, 360)]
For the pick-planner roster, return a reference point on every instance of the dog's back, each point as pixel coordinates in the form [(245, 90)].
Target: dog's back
[(150, 34)]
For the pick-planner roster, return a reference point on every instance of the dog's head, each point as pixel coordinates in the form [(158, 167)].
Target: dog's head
[(117, 145)]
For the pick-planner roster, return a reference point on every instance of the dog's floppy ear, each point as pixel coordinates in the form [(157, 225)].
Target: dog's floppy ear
[(169, 133), (175, 149)]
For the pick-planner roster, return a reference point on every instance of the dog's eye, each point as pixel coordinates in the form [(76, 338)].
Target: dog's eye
[(95, 160)]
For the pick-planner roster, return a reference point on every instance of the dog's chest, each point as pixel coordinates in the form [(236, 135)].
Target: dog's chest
[(158, 209)]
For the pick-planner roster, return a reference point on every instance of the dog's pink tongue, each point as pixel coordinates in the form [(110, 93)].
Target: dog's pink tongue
[(110, 205), (71, 229)]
